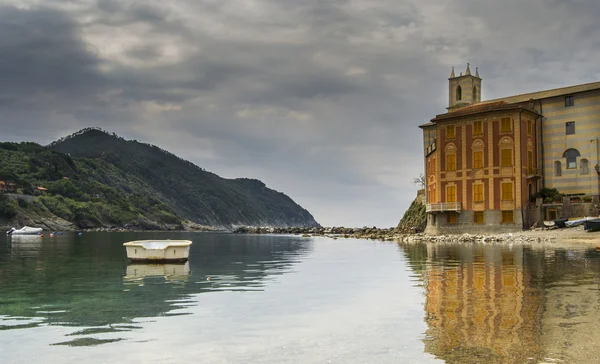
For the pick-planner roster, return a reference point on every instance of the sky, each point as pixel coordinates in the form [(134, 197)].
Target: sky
[(319, 99)]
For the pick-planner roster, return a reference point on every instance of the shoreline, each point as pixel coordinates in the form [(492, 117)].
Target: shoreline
[(575, 235), (537, 235)]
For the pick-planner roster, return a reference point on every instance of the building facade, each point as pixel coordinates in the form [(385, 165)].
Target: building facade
[(485, 161)]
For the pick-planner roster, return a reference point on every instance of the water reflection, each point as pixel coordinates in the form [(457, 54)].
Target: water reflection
[(88, 282), (136, 272), (507, 303)]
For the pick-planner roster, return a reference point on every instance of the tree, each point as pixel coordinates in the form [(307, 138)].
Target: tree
[(419, 181)]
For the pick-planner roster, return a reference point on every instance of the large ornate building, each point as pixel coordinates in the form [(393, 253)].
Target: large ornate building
[(484, 161)]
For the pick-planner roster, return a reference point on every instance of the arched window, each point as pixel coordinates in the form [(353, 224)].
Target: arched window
[(474, 94), (585, 168), (458, 93), (557, 169), (571, 155)]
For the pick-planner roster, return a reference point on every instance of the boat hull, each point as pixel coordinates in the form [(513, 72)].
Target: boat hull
[(157, 251), (26, 230), (592, 225)]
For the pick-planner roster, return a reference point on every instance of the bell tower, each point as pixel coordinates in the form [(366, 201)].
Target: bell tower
[(464, 90)]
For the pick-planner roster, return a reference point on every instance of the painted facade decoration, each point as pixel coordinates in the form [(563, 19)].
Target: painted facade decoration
[(485, 161)]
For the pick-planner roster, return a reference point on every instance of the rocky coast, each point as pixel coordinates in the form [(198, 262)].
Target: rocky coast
[(574, 235)]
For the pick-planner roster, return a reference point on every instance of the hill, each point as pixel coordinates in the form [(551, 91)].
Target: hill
[(95, 179)]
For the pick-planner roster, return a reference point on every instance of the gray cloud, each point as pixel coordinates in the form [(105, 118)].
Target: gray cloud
[(320, 100)]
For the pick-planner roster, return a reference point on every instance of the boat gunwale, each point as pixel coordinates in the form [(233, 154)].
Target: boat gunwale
[(170, 243)]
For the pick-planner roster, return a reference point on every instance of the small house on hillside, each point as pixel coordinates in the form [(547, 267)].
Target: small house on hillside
[(7, 186)]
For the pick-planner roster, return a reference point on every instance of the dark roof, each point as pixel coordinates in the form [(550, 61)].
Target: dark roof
[(481, 108), (550, 93)]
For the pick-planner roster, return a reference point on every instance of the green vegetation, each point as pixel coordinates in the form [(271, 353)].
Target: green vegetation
[(7, 208), (96, 179), (415, 218), (549, 194)]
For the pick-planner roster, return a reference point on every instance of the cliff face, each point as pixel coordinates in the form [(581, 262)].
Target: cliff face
[(96, 179), (415, 218)]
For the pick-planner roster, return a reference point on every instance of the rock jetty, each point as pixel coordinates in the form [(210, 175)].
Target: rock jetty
[(394, 234), (334, 232)]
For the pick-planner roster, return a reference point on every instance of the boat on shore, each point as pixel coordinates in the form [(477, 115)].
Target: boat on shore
[(591, 225), (25, 230), (158, 251)]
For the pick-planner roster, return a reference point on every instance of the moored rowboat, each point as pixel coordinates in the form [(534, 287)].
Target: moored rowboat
[(158, 250)]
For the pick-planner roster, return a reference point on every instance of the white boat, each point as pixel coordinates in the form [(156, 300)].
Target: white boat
[(158, 250), (25, 230)]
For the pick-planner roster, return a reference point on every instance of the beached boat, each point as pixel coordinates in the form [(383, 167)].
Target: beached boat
[(25, 230), (576, 222), (158, 250), (560, 223), (592, 225)]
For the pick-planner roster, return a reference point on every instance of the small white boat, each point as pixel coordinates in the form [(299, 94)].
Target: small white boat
[(158, 250), (25, 230)]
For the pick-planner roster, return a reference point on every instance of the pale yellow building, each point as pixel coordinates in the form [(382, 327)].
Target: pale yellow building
[(570, 136)]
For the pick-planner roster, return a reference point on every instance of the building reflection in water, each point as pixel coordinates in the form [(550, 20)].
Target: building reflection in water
[(480, 305)]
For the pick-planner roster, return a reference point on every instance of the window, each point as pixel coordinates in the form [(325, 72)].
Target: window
[(585, 168), (508, 217), (507, 191), (478, 159), (478, 217), (450, 193), (570, 126), (451, 162), (530, 162), (557, 169), (478, 128), (571, 155), (569, 101), (506, 158), (505, 125), (458, 93), (451, 218), (478, 193), (474, 94), (450, 132), (529, 127)]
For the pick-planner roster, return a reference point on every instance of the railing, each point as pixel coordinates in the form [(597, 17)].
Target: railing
[(443, 206)]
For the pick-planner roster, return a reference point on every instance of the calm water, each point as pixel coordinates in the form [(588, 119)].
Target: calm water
[(285, 299)]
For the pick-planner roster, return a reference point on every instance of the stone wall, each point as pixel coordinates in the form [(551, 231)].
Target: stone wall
[(464, 224)]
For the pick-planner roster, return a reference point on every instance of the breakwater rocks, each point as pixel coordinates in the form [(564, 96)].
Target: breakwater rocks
[(334, 232), (518, 237), (393, 234)]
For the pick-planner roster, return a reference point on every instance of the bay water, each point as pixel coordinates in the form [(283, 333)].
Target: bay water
[(288, 299)]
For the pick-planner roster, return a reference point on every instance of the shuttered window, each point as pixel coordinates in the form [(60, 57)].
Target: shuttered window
[(507, 191), (478, 193), (506, 157)]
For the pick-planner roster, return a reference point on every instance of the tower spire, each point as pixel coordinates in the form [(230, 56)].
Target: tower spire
[(452, 74), (468, 71), (477, 72)]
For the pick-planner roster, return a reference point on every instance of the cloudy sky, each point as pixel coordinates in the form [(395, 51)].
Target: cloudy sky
[(320, 99)]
